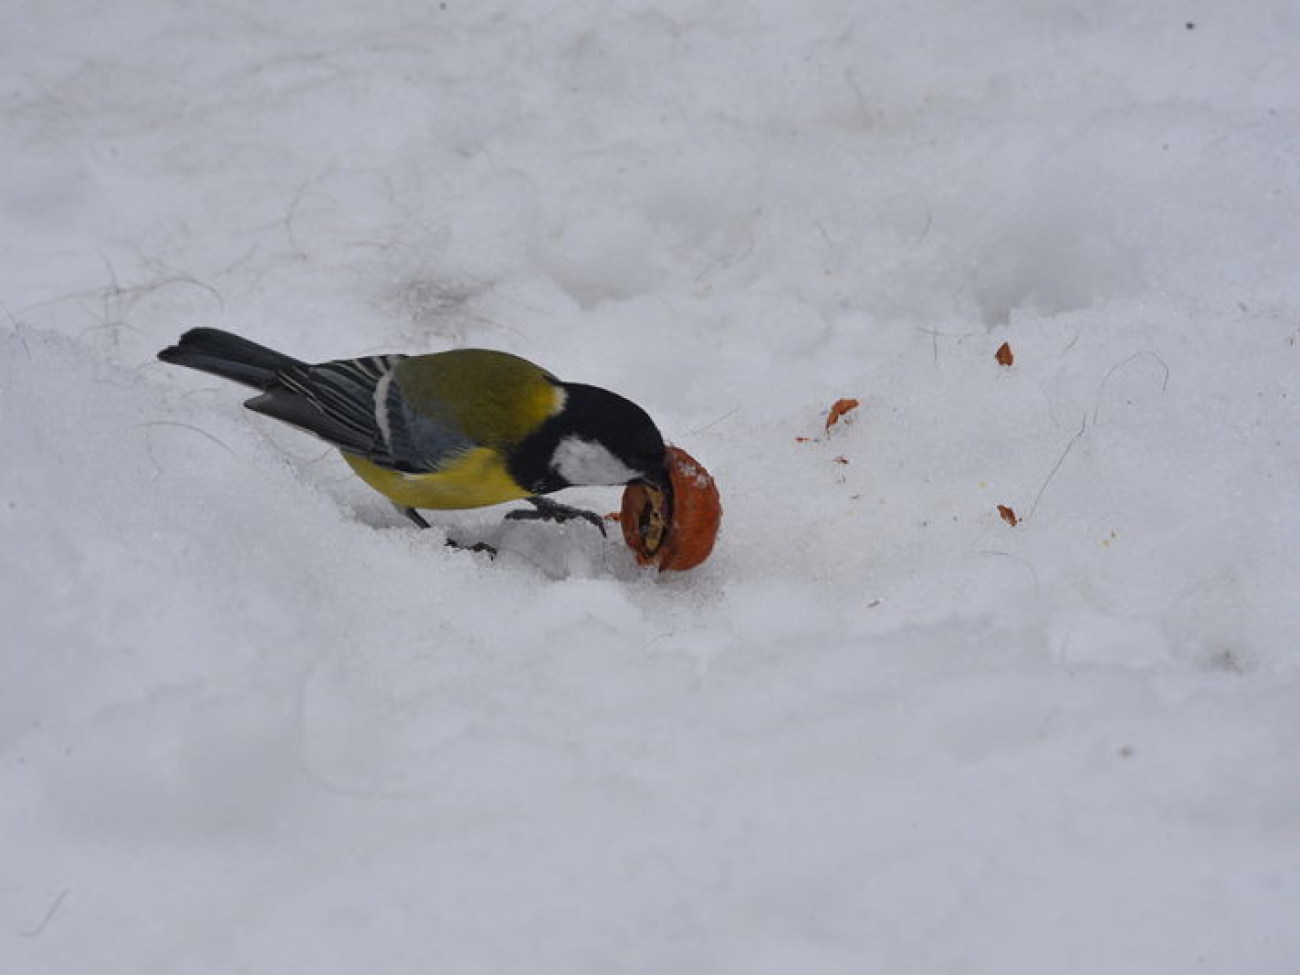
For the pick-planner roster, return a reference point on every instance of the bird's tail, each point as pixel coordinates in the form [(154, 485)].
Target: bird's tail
[(227, 355)]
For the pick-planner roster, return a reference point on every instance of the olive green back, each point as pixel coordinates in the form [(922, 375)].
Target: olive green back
[(494, 398)]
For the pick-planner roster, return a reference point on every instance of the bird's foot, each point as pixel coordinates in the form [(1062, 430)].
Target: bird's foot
[(545, 509), (420, 522), (476, 547)]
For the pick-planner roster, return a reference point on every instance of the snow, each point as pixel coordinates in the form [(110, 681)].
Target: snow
[(252, 721)]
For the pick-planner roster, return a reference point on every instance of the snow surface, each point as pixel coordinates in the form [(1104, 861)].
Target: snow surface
[(252, 721)]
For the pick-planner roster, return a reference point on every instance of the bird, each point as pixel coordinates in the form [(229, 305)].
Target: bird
[(465, 428)]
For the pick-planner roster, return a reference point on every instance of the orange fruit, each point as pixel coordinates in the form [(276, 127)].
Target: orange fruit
[(675, 528)]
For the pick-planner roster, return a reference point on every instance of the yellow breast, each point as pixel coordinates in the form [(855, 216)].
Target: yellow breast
[(474, 479)]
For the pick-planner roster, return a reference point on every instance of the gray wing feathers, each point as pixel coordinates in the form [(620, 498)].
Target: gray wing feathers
[(343, 391), (357, 405)]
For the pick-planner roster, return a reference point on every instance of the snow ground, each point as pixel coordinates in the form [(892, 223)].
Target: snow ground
[(251, 721)]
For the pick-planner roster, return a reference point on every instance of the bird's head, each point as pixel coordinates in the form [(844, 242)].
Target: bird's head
[(599, 437)]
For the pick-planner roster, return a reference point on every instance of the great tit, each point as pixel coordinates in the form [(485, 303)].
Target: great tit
[(458, 429)]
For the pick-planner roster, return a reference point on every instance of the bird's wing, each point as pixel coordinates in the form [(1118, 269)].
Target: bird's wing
[(355, 405)]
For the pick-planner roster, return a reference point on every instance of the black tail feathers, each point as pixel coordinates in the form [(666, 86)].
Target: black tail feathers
[(227, 355)]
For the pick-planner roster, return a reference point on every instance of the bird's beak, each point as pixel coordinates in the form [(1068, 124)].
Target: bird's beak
[(656, 477)]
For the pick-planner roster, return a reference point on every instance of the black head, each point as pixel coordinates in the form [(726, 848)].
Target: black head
[(598, 437)]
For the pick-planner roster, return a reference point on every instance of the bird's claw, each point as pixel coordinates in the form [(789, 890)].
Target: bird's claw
[(545, 509), (420, 522), (476, 547)]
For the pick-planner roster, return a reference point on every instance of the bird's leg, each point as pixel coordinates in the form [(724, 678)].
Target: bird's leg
[(476, 547), (420, 522), (544, 509), (415, 516)]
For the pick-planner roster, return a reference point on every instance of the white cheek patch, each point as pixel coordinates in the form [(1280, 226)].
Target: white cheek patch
[(581, 461)]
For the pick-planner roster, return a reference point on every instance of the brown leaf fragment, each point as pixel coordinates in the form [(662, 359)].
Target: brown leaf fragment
[(1008, 515), (841, 459), (1004, 355), (802, 439), (838, 409)]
